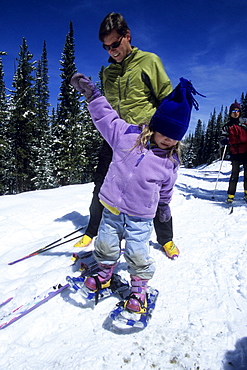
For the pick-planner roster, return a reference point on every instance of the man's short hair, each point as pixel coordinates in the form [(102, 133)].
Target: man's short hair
[(113, 21)]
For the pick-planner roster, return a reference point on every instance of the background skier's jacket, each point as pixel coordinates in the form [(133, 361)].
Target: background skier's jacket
[(236, 131)]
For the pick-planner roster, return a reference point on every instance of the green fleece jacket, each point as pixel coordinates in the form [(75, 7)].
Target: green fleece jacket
[(136, 86)]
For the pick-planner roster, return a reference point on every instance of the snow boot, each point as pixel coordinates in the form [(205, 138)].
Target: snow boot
[(230, 199), (84, 241), (102, 279), (171, 250), (137, 301)]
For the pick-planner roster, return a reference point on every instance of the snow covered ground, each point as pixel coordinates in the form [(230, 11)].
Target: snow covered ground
[(200, 320)]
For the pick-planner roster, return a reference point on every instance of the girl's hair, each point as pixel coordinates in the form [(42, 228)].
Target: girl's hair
[(145, 138)]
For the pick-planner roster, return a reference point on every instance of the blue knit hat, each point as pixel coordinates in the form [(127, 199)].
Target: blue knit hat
[(172, 117)]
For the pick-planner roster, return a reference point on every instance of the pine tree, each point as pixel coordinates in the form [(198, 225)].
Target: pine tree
[(92, 141), (208, 152), (226, 116), (220, 119), (199, 143), (244, 105), (100, 85), (68, 153), (42, 92), (4, 145), (188, 152), (21, 131), (43, 179)]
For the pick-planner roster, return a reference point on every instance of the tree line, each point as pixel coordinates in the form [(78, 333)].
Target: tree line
[(42, 148)]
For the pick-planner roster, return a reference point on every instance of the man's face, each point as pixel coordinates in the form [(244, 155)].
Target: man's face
[(120, 52), (235, 113)]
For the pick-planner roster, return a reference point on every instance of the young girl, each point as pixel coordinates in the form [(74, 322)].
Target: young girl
[(140, 178)]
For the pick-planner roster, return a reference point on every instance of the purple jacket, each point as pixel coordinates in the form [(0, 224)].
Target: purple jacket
[(137, 180)]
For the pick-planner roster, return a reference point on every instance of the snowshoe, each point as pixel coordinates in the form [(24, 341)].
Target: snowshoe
[(123, 317), (117, 286)]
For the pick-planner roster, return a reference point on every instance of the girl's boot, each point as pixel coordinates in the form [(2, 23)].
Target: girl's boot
[(137, 300), (102, 279)]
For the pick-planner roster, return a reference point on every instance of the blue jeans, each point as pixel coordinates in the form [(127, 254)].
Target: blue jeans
[(136, 231)]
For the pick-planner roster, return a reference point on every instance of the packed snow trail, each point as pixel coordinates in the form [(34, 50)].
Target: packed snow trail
[(200, 317)]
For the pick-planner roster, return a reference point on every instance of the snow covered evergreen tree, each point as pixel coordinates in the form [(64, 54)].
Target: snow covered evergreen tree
[(208, 152), (243, 101), (4, 146), (68, 153), (22, 127), (42, 92), (226, 116), (92, 141), (188, 152), (203, 147), (199, 143), (43, 179)]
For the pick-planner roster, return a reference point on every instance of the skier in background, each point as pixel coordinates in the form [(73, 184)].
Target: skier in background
[(139, 182), (234, 133), (134, 84)]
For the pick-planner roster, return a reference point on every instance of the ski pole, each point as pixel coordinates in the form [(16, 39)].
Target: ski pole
[(223, 155), (48, 246)]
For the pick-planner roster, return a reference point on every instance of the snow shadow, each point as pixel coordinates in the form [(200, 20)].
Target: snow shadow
[(72, 298), (113, 327), (189, 191), (223, 177), (218, 197), (237, 359), (55, 253), (156, 246), (208, 176), (76, 218)]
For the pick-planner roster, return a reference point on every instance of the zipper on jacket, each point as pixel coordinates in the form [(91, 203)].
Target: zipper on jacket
[(120, 97), (143, 154)]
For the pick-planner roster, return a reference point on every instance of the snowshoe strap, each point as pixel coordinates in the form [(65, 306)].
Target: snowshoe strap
[(133, 296), (119, 286), (98, 287)]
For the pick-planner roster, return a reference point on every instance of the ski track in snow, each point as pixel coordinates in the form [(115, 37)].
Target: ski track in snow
[(200, 318)]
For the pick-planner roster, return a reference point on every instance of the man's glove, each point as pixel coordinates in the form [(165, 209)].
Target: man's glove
[(164, 212), (85, 86)]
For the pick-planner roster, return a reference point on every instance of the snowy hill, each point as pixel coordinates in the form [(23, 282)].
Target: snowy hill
[(200, 317)]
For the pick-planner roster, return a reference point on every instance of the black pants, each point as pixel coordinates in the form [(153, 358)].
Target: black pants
[(164, 230), (235, 175)]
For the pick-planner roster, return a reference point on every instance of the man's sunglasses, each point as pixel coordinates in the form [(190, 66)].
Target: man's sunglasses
[(235, 111), (114, 45)]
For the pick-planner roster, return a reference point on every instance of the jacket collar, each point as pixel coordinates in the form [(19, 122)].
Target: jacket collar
[(128, 57)]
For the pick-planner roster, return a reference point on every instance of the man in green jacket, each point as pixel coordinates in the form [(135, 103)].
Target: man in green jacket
[(134, 84)]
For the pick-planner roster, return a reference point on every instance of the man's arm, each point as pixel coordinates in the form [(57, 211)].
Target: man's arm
[(155, 78)]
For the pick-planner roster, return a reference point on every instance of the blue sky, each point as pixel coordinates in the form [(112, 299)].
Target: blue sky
[(201, 40)]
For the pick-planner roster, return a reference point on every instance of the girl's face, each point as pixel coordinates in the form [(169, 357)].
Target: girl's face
[(163, 142)]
